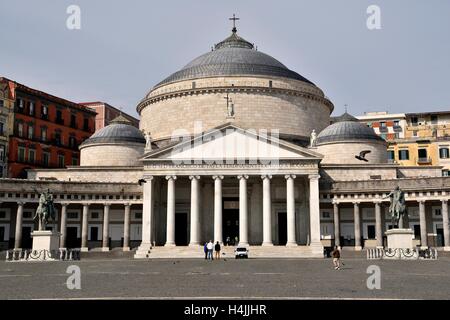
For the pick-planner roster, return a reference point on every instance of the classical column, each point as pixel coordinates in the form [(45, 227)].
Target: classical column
[(314, 212), (378, 225), (337, 233), (218, 236), (357, 224), (105, 242), (290, 208), (126, 228), (267, 211), (445, 225), (63, 237), (170, 236), (18, 236), (147, 216), (423, 225), (243, 212), (84, 228), (195, 211)]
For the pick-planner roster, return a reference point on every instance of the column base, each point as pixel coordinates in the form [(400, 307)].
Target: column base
[(291, 244), (243, 244), (317, 248), (126, 249), (169, 244), (84, 249), (447, 248), (379, 247), (194, 244), (105, 249), (142, 251), (267, 244), (17, 249), (357, 248), (423, 247)]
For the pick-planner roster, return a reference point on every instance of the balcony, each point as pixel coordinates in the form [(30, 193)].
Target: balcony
[(397, 128), (384, 129), (424, 160)]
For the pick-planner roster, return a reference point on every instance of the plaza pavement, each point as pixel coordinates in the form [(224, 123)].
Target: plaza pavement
[(227, 278)]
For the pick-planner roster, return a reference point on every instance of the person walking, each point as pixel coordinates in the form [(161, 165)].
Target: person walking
[(336, 254), (210, 247), (217, 250), (205, 249)]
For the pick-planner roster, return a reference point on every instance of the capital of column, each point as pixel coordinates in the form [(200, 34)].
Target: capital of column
[(107, 204), (217, 177), (64, 204), (356, 203), (314, 176), (243, 177), (266, 176), (444, 201), (290, 176), (147, 178), (194, 177), (86, 204), (378, 201), (421, 201), (127, 204), (336, 203), (171, 177), (21, 203)]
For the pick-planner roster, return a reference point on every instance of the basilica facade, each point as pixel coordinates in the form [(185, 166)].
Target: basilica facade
[(227, 151)]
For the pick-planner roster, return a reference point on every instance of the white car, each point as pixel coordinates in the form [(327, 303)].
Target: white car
[(241, 252)]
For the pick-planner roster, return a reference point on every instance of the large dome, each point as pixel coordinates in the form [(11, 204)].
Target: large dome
[(233, 56)]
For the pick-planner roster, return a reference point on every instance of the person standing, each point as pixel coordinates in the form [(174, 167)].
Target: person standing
[(205, 249), (336, 254), (217, 250), (210, 247)]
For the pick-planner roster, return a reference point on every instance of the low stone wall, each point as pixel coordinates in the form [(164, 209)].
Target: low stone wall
[(88, 174)]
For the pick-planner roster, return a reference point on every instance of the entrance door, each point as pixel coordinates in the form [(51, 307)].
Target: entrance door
[(26, 238), (440, 237), (282, 228), (72, 240), (230, 226), (181, 228)]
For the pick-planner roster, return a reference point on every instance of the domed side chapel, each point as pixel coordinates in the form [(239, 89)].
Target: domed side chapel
[(235, 147)]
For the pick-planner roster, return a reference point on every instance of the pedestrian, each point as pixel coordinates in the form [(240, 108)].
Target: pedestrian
[(210, 247), (217, 250), (205, 249), (336, 254)]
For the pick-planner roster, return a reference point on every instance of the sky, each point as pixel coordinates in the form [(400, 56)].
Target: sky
[(124, 48)]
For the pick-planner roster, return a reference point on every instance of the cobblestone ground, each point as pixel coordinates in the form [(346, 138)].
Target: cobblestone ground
[(227, 278)]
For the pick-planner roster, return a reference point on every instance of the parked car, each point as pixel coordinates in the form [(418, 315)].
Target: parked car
[(241, 252)]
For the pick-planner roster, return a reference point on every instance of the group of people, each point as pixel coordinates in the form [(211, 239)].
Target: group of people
[(209, 247)]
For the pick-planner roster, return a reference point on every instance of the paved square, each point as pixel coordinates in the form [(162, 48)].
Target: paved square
[(229, 278)]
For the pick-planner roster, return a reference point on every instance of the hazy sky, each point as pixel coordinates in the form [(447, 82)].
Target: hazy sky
[(126, 47)]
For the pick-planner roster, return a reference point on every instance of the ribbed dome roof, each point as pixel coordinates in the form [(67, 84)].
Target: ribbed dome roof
[(119, 130), (347, 128), (233, 56)]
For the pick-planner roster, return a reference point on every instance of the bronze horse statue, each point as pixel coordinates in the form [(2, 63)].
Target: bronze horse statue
[(45, 210)]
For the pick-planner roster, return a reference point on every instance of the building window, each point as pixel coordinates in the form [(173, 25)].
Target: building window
[(86, 124), (20, 103), (43, 133), (61, 160), (31, 155), (397, 135), (30, 132), (415, 133), (95, 215), (58, 139), (445, 173), (2, 103), (2, 153), (31, 109), (2, 128), (21, 154), (422, 154), (444, 153), (72, 142), (46, 159), (44, 112), (73, 121), (414, 121), (193, 84), (391, 155), (434, 119), (403, 154), (20, 129), (59, 118), (74, 161), (138, 215), (72, 215)]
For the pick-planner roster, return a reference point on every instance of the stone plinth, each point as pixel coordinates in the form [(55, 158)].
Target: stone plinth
[(400, 238), (44, 240)]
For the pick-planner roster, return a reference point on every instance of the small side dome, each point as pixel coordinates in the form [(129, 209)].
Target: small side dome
[(118, 144), (346, 138)]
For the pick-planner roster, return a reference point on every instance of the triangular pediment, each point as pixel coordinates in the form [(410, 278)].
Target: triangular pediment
[(231, 143)]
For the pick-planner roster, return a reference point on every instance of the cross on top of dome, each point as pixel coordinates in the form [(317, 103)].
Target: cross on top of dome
[(234, 30)]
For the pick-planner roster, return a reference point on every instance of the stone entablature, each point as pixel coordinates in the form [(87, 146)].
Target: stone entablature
[(16, 190)]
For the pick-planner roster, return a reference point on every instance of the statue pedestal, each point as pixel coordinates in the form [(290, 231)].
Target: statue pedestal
[(45, 243), (400, 238)]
